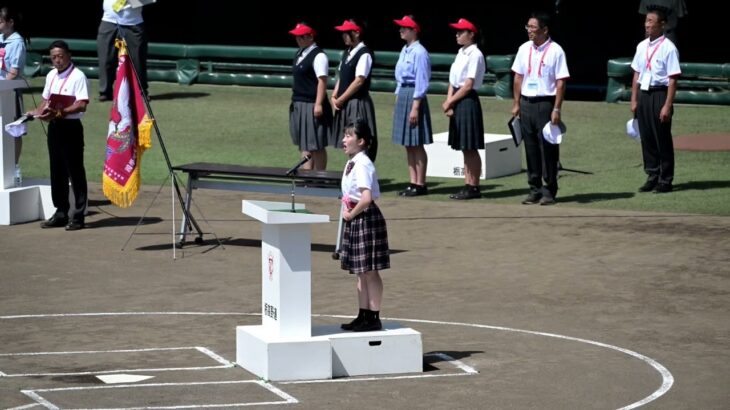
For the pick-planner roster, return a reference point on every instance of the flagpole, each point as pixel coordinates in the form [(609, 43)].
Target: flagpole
[(186, 212)]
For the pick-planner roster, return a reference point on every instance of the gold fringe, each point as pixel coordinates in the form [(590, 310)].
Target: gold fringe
[(124, 196)]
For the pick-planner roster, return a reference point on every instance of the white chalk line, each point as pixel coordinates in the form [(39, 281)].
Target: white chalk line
[(207, 352), (667, 378), (286, 398)]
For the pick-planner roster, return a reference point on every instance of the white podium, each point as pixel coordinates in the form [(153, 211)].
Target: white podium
[(284, 346), (22, 204), (499, 157)]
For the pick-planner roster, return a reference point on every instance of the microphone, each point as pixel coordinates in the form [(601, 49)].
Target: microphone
[(295, 168)]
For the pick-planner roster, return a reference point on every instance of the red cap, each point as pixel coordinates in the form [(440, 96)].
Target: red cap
[(348, 25), (464, 24), (408, 22), (302, 29)]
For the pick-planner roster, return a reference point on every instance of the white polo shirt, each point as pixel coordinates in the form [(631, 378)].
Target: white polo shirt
[(71, 81), (656, 61), (540, 68), (362, 175), (469, 63), (320, 64)]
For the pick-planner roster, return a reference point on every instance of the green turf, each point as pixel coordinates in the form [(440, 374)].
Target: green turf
[(249, 126)]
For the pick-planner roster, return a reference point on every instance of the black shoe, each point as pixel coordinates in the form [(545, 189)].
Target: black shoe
[(104, 97), (355, 322), (405, 191), (648, 186), (56, 221), (662, 188), (547, 200), (532, 199), (468, 192), (75, 225), (417, 190), (371, 325)]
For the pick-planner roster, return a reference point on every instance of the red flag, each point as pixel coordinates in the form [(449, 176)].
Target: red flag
[(128, 136)]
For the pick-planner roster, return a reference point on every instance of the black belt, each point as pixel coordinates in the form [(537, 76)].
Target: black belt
[(542, 98), (407, 85), (656, 88)]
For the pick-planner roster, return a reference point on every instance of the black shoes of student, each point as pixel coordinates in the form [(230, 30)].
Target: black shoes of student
[(468, 192), (368, 325), (355, 322), (547, 200), (414, 190), (56, 221)]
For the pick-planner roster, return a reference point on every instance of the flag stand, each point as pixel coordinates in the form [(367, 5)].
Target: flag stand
[(190, 221)]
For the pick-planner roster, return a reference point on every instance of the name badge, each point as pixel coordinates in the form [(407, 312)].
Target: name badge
[(532, 85), (645, 80)]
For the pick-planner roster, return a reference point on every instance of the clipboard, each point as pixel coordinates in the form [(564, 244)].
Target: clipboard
[(516, 130)]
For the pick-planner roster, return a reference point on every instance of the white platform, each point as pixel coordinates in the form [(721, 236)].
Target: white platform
[(393, 350), (23, 204), (499, 158), (271, 357)]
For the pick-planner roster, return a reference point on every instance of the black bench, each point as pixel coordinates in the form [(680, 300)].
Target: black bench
[(256, 179)]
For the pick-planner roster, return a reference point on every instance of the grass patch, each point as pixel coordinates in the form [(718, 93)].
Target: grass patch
[(249, 126)]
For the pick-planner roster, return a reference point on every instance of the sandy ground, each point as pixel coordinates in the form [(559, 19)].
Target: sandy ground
[(554, 307)]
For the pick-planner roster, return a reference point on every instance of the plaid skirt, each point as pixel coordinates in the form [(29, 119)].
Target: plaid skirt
[(356, 108), (466, 126), (307, 132), (365, 242), (405, 134)]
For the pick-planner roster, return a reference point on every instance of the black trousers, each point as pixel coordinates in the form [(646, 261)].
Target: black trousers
[(66, 154), (136, 37), (542, 157), (657, 147)]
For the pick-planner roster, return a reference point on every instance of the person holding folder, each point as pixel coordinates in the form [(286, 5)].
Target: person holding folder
[(65, 97), (541, 72)]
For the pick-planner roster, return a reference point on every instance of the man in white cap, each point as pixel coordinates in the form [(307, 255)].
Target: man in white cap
[(540, 74)]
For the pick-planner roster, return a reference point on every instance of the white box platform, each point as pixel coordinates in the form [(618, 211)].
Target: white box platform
[(271, 357), (395, 349), (499, 158)]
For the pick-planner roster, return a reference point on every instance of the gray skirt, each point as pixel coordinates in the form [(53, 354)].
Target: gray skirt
[(466, 126), (307, 132), (403, 132), (356, 108)]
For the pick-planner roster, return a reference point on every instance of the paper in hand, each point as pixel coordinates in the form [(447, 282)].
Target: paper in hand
[(515, 130), (18, 128)]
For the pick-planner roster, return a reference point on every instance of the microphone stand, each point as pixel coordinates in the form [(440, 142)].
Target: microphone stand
[(293, 185)]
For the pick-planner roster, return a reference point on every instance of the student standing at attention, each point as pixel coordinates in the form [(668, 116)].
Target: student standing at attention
[(364, 251)]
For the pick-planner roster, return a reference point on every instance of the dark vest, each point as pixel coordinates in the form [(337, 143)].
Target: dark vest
[(347, 73), (305, 80)]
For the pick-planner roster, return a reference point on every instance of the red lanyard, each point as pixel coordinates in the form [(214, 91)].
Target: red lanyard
[(50, 89), (649, 57), (539, 68)]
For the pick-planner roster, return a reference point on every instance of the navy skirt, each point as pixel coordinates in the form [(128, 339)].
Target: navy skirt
[(466, 126)]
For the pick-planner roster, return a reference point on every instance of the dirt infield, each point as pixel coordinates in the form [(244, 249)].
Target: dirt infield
[(703, 142), (554, 307)]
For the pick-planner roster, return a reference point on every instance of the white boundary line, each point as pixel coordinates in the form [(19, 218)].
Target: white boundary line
[(667, 378), (224, 363), (468, 371), (286, 398)]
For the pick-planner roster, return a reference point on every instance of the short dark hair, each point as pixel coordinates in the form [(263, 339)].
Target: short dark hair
[(661, 12), (543, 19), (59, 44)]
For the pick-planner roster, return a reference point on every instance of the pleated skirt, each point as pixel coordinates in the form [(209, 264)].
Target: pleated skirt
[(365, 242), (466, 126), (356, 108), (307, 132), (405, 134)]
